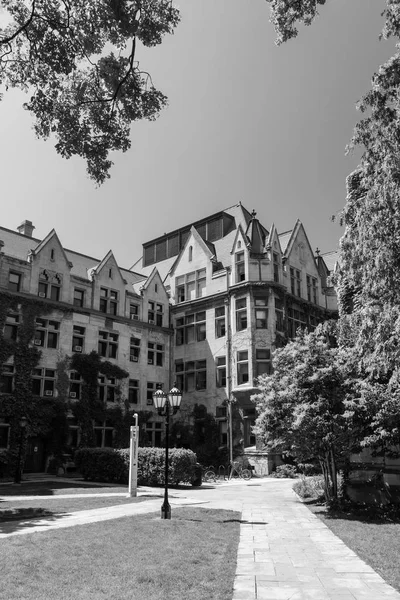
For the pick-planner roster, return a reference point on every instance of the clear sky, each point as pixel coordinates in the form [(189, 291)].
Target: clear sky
[(247, 121)]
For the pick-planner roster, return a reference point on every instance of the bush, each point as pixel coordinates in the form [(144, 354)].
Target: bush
[(111, 465), (310, 487), (285, 471), (100, 464)]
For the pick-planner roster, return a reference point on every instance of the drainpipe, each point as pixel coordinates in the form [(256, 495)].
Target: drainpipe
[(229, 364)]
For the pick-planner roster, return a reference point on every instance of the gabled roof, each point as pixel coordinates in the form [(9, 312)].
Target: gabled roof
[(208, 248), (103, 263), (331, 259), (274, 234), (284, 239), (239, 233), (52, 235)]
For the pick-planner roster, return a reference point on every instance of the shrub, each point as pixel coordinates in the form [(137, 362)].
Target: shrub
[(310, 487), (286, 471), (111, 465), (100, 464)]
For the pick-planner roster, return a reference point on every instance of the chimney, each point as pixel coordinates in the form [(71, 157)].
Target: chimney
[(26, 228)]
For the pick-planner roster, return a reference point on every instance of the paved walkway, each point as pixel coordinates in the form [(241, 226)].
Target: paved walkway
[(285, 552)]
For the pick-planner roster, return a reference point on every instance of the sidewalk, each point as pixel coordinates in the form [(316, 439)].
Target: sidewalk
[(285, 552)]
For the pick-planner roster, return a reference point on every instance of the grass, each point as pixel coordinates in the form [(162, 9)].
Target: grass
[(140, 558), (376, 541), (57, 504), (68, 505)]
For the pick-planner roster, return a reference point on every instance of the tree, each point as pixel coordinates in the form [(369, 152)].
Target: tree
[(368, 282), (308, 406), (77, 59)]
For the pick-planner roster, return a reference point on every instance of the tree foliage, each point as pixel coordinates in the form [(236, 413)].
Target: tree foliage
[(77, 60), (309, 407), (368, 282)]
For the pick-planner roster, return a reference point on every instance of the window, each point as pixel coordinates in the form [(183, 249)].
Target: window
[(242, 367), (52, 254), (14, 281), (108, 301), (134, 349), (155, 354), (107, 388), (276, 267), (191, 286), (154, 431), (103, 433), (7, 379), (43, 382), (190, 253), (75, 385), (220, 327), (134, 312), (151, 388), (296, 319), (313, 322), (191, 328), (155, 314), (241, 314), (192, 375), (312, 289), (49, 285), (78, 338), (46, 333), (279, 323), (263, 361), (108, 344), (261, 313), (133, 391), (79, 297), (4, 433), (295, 282), (11, 327), (220, 363), (240, 267)]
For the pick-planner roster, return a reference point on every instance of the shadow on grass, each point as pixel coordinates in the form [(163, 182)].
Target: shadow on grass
[(377, 515), (24, 523), (45, 488)]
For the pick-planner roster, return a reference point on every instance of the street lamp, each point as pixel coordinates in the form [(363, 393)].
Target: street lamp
[(22, 423), (167, 405)]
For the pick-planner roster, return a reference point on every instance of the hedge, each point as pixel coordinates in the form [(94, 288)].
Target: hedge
[(111, 465)]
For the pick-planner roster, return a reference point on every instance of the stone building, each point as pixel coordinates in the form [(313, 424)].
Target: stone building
[(237, 292), (203, 308), (63, 303)]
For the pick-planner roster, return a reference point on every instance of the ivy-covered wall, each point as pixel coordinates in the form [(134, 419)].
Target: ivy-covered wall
[(46, 417)]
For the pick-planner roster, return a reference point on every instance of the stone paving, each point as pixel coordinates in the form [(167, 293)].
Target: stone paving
[(285, 552)]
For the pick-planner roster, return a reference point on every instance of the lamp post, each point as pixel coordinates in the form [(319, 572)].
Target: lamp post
[(167, 405), (22, 423)]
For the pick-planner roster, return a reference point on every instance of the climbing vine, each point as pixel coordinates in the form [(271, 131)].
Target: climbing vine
[(90, 407), (42, 414)]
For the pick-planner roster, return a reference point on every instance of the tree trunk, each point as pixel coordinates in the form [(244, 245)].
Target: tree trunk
[(333, 475), (325, 472)]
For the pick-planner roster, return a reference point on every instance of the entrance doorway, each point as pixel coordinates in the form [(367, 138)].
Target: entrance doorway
[(35, 455)]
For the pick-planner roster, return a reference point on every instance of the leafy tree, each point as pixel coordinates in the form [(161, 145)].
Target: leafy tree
[(368, 282), (308, 406), (77, 59)]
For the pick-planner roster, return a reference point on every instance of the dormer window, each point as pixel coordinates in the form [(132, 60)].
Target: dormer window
[(240, 267)]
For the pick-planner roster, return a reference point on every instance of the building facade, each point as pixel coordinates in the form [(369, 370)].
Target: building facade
[(237, 292), (203, 308)]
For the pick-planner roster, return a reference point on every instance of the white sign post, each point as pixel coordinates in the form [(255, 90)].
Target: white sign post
[(133, 458)]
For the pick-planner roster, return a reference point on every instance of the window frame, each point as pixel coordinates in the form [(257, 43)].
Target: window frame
[(110, 341)]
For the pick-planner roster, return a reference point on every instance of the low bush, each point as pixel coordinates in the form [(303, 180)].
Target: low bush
[(310, 487), (111, 465), (285, 471)]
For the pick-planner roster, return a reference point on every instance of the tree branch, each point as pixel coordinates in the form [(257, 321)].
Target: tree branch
[(22, 28)]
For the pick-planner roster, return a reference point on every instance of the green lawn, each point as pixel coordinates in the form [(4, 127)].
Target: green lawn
[(55, 488), (376, 542), (63, 505), (192, 556)]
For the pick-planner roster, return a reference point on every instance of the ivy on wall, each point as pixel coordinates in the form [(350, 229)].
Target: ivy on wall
[(90, 407), (46, 417)]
